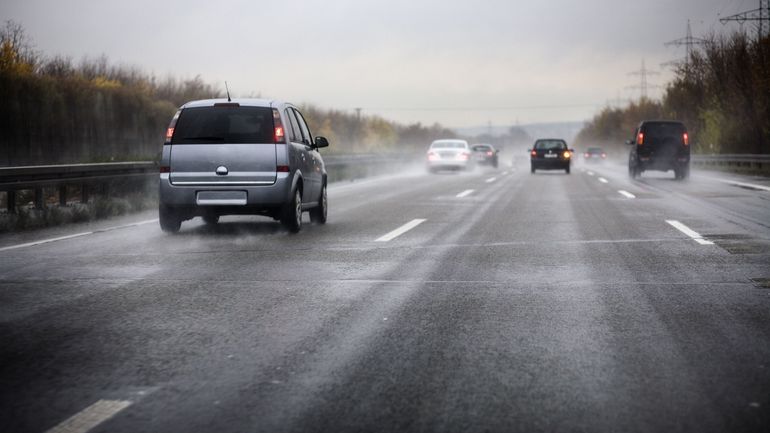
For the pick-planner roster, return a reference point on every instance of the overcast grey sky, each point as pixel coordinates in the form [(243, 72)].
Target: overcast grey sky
[(407, 60)]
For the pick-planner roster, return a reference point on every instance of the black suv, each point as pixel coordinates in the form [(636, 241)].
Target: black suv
[(660, 145)]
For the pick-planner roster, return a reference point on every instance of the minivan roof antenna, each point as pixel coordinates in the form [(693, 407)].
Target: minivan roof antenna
[(228, 92)]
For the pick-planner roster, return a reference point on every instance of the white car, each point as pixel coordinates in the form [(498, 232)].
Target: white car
[(449, 155)]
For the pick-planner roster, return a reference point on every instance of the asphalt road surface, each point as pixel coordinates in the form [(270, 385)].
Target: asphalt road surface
[(491, 301)]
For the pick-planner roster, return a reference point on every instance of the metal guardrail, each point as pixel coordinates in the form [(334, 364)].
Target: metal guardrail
[(742, 162), (87, 176), (36, 178)]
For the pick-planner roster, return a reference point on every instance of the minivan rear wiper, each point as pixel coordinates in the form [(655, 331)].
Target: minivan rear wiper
[(204, 138)]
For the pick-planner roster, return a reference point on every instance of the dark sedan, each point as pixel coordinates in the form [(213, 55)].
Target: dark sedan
[(550, 154), (485, 154)]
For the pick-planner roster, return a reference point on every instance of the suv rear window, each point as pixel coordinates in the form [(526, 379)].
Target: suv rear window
[(224, 124), (550, 144), (662, 130)]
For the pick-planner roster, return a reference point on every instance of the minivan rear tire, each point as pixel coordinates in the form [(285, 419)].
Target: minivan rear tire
[(292, 213), (169, 220)]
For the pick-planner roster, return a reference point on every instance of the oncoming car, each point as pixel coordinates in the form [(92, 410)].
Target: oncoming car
[(550, 154), (449, 155), (247, 156)]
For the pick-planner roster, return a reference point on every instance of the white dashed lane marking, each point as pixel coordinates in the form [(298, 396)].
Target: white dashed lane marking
[(401, 230), (465, 193), (91, 416), (626, 194), (490, 180), (689, 232)]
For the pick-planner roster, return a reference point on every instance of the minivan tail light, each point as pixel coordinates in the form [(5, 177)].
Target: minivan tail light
[(171, 126), (282, 169), (280, 133), (640, 138), (686, 139), (165, 169)]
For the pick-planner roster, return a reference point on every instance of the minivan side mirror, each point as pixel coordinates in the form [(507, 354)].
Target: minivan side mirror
[(321, 142)]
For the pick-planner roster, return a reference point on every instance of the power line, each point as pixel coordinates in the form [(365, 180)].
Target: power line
[(760, 15)]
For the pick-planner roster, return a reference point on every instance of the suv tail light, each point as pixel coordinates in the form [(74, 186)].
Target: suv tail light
[(280, 134), (640, 139), (170, 129), (686, 139), (533, 153), (566, 154)]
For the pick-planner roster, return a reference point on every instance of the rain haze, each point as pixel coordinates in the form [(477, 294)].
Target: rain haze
[(457, 63)]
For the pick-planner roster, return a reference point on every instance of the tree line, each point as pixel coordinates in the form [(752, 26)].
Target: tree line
[(721, 92), (55, 110)]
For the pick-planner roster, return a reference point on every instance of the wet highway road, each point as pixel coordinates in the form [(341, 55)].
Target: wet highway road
[(492, 301)]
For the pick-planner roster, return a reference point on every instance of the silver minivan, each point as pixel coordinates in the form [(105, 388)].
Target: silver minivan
[(241, 156)]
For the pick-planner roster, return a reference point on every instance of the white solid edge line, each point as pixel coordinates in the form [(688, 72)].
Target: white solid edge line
[(91, 416), (745, 185), (45, 241), (401, 230), (689, 232), (590, 173), (76, 235), (465, 193), (626, 194), (490, 180), (603, 180)]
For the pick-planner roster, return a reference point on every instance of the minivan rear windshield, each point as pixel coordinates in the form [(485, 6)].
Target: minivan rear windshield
[(224, 124)]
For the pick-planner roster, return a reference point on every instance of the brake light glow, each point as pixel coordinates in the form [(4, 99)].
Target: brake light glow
[(566, 154), (463, 156), (489, 153), (586, 155), (604, 155), (280, 135), (432, 156), (533, 153), (686, 139), (171, 126), (640, 139)]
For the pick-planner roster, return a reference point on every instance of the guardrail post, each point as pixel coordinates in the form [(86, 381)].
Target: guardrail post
[(84, 193), (11, 201), (63, 195), (38, 198)]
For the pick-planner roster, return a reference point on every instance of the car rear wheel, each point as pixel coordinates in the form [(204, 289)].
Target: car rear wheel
[(292, 214), (318, 214), (169, 221), (532, 169), (567, 169)]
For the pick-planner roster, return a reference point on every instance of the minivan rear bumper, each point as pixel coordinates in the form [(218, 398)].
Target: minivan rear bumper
[(257, 197)]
